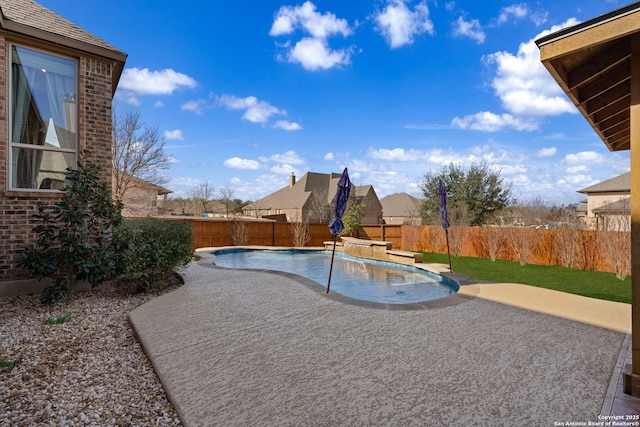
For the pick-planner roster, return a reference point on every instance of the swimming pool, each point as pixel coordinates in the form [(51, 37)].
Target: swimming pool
[(358, 278)]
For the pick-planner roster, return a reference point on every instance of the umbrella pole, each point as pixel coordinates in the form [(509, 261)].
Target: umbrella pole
[(446, 233), (331, 267)]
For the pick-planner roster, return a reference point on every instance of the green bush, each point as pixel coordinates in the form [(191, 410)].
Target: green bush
[(150, 250), (74, 236)]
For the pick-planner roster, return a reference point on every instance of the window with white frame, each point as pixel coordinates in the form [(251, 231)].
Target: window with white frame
[(42, 127)]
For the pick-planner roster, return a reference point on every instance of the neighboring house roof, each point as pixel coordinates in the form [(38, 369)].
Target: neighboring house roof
[(141, 183), (400, 204), (359, 191), (295, 196), (620, 207), (618, 184), (30, 19)]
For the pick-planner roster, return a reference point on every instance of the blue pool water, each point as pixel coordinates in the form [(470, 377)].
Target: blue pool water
[(358, 278)]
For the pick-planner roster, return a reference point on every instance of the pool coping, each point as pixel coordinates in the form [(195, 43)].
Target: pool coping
[(467, 288)]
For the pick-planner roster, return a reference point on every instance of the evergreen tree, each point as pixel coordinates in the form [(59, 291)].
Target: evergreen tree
[(473, 195)]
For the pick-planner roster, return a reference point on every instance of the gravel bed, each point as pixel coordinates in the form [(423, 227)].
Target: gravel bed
[(89, 370)]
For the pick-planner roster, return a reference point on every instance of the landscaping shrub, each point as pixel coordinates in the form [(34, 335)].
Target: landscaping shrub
[(74, 241), (150, 251)]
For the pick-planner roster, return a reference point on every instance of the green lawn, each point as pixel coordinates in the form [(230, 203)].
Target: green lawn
[(594, 284)]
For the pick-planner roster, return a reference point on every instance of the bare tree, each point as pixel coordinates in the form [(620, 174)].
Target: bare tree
[(137, 152), (226, 197), (566, 239), (588, 254), (459, 217), (435, 239), (457, 235), (617, 240), (201, 195), (523, 241), (239, 232), (493, 237), (299, 232), (412, 216), (257, 209), (321, 206)]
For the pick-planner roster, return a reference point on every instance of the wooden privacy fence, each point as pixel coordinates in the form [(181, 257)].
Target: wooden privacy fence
[(215, 232), (581, 249)]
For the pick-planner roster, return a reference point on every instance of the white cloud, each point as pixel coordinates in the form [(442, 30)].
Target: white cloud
[(577, 169), (141, 81), (313, 53), (547, 152), (286, 125), (395, 154), (290, 157), (577, 181), (128, 97), (173, 134), (238, 163), (523, 84), (399, 25), (501, 156), (526, 91), (584, 157), (256, 111), (517, 11), (306, 17), (517, 169), (471, 29), (490, 122), (284, 170), (195, 106)]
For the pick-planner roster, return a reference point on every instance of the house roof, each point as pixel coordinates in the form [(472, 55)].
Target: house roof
[(400, 204), (324, 186), (617, 184), (591, 62), (32, 20), (142, 183), (622, 206)]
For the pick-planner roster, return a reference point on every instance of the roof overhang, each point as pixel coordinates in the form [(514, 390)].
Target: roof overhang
[(118, 58), (591, 62)]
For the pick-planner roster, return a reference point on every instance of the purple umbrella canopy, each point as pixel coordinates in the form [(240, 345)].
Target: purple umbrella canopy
[(340, 203), (339, 206), (443, 205)]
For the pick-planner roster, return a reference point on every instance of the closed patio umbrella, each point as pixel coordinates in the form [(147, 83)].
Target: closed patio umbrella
[(442, 192), (339, 206)]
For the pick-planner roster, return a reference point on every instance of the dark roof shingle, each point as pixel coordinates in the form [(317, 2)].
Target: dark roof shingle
[(620, 183), (30, 19), (30, 14)]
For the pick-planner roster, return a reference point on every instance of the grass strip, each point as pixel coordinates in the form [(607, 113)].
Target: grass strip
[(594, 284)]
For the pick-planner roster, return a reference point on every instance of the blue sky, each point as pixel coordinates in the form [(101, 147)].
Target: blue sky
[(247, 92)]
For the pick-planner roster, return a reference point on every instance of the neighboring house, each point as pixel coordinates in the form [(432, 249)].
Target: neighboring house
[(141, 199), (57, 85), (608, 204), (309, 199), (401, 208)]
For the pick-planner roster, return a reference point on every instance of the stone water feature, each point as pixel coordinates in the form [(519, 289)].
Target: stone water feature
[(374, 249)]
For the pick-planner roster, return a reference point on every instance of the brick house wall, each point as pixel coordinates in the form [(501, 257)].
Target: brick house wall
[(94, 106), (94, 137)]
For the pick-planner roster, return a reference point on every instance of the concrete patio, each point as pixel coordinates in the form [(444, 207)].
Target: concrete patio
[(238, 347)]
